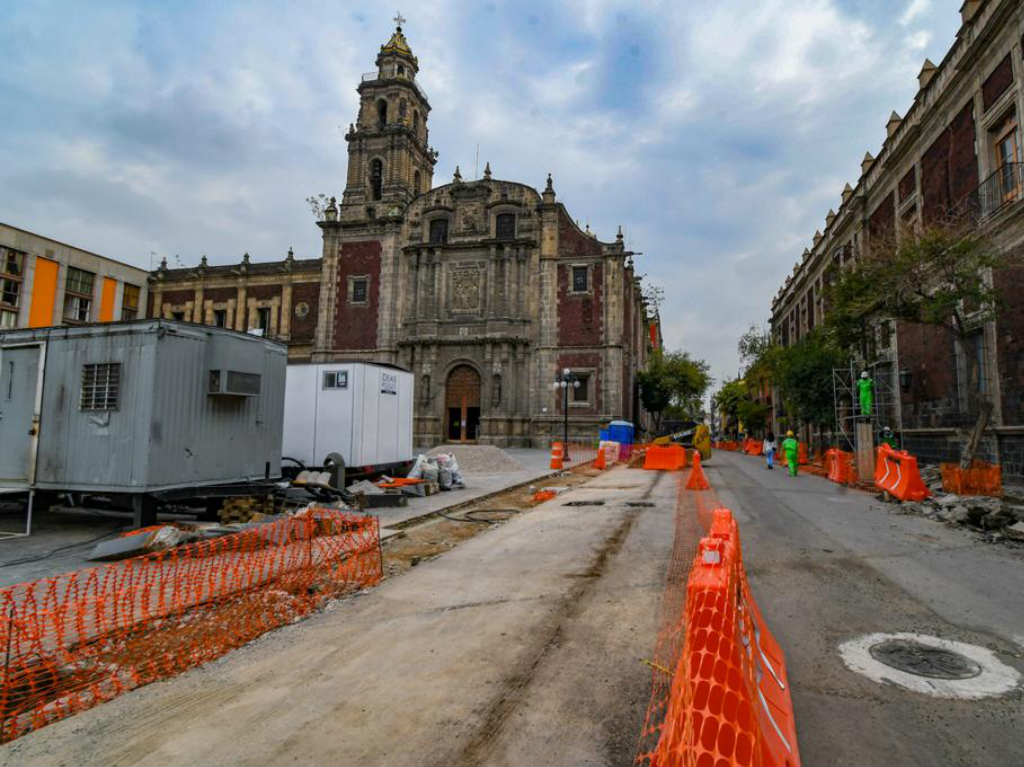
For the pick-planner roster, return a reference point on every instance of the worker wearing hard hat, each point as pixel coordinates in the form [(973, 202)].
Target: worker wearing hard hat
[(791, 448)]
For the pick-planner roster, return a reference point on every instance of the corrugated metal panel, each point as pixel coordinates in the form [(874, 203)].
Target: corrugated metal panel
[(167, 431)]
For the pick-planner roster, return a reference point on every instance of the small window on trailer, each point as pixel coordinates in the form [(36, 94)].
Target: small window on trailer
[(101, 386)]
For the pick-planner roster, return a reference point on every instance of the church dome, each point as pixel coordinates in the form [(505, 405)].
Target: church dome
[(397, 45)]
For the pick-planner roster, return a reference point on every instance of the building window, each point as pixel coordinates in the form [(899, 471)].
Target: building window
[(425, 389), (976, 374), (335, 379), (402, 108), (416, 182), (580, 279), (1007, 151), (101, 386), (130, 302), (178, 316), (358, 290), (416, 122), (439, 231), (382, 113), (376, 179), (263, 319), (12, 265), (505, 226), (220, 318), (401, 71), (496, 390), (78, 295), (581, 393)]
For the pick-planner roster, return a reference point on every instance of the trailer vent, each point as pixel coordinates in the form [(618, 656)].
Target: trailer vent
[(234, 384), (101, 386)]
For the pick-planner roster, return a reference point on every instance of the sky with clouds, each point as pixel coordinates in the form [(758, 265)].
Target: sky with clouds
[(718, 133)]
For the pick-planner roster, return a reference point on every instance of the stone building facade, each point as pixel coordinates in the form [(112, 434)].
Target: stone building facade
[(485, 289), (957, 151)]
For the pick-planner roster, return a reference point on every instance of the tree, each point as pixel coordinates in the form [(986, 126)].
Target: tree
[(317, 204), (673, 379), (938, 277), (804, 373), (730, 400)]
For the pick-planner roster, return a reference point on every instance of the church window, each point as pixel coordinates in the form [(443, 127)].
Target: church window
[(220, 318), (581, 393), (382, 112), (496, 390), (401, 71), (580, 281), (425, 389), (358, 289), (438, 231), (416, 121), (376, 178), (402, 107), (505, 226), (416, 182)]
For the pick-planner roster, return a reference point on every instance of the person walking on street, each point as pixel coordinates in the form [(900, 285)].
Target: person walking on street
[(790, 447), (769, 449)]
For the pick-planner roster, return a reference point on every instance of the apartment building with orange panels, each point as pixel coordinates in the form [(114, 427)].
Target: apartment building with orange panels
[(44, 282)]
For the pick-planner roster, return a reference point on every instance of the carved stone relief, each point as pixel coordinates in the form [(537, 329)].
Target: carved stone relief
[(465, 290)]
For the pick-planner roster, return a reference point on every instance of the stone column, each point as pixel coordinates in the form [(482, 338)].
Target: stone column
[(865, 450), (285, 322), (240, 309)]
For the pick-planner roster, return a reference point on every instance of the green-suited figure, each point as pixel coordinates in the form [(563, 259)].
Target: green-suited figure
[(791, 447), (866, 387)]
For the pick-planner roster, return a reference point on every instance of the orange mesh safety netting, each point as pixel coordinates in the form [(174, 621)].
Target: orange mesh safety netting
[(981, 479), (729, 699), (80, 638)]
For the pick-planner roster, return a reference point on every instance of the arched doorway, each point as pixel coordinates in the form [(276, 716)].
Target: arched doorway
[(462, 404)]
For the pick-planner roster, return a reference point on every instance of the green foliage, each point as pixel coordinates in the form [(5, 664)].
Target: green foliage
[(754, 415), (805, 377), (673, 379), (729, 400)]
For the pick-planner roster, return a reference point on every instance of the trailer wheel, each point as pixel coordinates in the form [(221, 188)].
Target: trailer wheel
[(335, 464)]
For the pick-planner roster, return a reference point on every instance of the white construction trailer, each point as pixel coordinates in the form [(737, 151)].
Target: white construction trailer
[(357, 411)]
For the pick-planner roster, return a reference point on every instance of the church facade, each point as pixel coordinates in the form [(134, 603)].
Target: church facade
[(486, 290)]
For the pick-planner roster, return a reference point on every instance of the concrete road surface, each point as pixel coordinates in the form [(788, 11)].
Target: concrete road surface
[(827, 565), (522, 645)]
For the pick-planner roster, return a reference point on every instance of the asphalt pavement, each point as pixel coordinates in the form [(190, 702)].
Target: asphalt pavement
[(829, 564)]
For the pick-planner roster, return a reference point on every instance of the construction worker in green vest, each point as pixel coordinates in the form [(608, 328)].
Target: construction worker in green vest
[(791, 448)]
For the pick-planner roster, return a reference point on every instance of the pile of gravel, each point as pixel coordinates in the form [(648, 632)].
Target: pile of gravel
[(480, 459)]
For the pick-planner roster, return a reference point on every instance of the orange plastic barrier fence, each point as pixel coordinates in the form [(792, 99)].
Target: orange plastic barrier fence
[(840, 467), (753, 447), (81, 638), (665, 457), (801, 453), (896, 473), (729, 703), (981, 479)]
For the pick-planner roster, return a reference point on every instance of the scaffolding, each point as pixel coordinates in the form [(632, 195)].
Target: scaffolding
[(846, 398)]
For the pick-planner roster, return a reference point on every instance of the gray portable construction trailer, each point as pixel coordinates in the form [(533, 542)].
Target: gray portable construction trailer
[(153, 409)]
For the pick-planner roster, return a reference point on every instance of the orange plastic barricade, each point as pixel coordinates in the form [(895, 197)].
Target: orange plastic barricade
[(896, 473), (557, 455), (753, 447), (697, 480), (81, 638), (801, 453), (544, 495), (839, 465), (729, 701), (599, 461), (665, 457), (981, 479)]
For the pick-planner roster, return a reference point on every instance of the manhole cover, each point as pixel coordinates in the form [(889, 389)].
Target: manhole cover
[(922, 660)]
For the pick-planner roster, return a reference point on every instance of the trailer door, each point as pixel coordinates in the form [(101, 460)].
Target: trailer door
[(19, 389)]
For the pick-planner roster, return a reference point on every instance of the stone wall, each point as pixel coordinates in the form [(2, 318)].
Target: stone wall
[(355, 325)]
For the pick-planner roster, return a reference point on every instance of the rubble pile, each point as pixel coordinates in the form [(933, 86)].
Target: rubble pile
[(1004, 517)]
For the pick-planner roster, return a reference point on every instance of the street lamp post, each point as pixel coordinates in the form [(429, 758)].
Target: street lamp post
[(565, 382)]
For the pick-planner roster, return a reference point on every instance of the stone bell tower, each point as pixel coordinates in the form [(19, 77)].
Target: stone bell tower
[(389, 160)]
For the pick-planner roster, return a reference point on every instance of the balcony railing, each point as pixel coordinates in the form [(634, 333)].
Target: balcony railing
[(370, 76), (1001, 188)]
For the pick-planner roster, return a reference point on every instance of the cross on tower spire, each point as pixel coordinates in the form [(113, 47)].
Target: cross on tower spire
[(399, 20)]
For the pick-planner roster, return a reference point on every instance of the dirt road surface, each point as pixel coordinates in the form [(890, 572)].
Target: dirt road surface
[(521, 645)]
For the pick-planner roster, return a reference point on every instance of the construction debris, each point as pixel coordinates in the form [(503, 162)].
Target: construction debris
[(994, 515)]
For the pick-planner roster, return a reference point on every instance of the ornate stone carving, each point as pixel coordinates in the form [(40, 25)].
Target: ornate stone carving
[(465, 293)]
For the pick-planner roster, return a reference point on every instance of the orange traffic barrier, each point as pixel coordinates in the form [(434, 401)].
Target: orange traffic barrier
[(557, 455), (839, 466), (801, 454), (753, 447), (980, 479), (81, 638), (665, 457), (599, 462), (697, 480), (544, 495), (896, 473), (729, 701)]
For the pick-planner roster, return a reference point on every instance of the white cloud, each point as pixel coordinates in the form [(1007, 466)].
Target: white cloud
[(914, 9)]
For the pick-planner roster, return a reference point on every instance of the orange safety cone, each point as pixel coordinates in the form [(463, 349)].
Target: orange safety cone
[(557, 453), (599, 462), (697, 480)]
